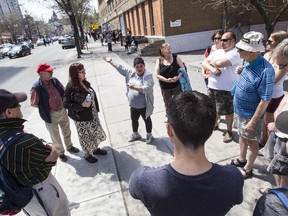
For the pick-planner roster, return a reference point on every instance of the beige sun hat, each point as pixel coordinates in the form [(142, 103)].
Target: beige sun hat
[(252, 42)]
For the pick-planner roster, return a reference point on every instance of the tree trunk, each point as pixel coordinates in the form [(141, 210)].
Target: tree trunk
[(76, 34), (225, 14), (82, 34)]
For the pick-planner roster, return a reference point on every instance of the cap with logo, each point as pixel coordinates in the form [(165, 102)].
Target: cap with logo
[(252, 42)]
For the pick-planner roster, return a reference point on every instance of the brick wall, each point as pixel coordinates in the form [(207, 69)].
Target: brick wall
[(195, 17)]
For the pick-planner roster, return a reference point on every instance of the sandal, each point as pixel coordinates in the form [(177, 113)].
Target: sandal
[(247, 174), (260, 152), (238, 163), (264, 191), (261, 144)]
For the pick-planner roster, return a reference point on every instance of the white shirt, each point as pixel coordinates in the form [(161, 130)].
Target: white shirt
[(278, 87), (228, 74)]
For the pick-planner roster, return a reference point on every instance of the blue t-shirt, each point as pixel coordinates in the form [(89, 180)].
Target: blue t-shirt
[(254, 84), (166, 192)]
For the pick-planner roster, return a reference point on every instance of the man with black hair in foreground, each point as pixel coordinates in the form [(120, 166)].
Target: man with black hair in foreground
[(190, 185)]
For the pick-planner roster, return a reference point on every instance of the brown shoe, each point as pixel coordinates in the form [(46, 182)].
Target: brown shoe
[(228, 137), (63, 157), (73, 150)]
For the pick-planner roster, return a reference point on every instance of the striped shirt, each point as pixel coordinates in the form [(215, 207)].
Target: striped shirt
[(25, 160), (254, 84)]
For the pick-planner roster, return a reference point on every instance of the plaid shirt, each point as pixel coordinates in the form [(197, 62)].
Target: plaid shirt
[(254, 84)]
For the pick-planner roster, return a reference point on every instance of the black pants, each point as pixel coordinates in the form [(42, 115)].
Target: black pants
[(135, 114), (109, 46)]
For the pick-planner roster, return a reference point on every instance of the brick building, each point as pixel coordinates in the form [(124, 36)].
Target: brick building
[(185, 24)]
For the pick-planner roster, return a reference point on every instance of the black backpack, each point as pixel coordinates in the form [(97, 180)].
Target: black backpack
[(13, 196)]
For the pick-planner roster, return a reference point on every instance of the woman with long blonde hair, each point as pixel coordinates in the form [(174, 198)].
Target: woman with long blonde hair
[(280, 75)]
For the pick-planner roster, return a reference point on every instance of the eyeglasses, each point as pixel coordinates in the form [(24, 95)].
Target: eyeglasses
[(282, 66), (225, 40), (269, 42), (82, 71), (217, 38)]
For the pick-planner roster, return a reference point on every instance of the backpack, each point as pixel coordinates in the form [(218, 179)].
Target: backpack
[(13, 196), (282, 194)]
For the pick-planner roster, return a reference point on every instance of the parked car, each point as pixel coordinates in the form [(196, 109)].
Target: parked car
[(68, 43), (55, 38), (29, 44), (40, 42), (6, 49), (61, 39), (1, 52), (19, 50)]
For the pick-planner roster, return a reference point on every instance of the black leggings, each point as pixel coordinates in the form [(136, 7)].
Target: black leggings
[(135, 114)]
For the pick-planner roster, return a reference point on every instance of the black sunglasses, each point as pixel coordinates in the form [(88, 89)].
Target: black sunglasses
[(217, 38), (269, 42), (225, 40), (282, 66)]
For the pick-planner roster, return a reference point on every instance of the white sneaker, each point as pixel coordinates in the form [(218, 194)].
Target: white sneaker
[(149, 138), (134, 136)]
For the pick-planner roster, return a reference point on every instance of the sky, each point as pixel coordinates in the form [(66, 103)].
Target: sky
[(39, 9)]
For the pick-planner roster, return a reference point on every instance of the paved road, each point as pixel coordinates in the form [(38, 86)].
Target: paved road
[(102, 189)]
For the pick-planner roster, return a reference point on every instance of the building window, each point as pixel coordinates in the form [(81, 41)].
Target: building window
[(144, 19), (151, 17)]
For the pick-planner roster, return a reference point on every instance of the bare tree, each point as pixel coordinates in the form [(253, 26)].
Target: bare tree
[(83, 9), (13, 25), (270, 12), (69, 9)]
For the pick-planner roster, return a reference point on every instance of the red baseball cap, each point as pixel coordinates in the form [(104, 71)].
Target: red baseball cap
[(44, 67)]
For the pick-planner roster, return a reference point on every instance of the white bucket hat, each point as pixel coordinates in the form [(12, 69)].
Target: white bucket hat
[(251, 42)]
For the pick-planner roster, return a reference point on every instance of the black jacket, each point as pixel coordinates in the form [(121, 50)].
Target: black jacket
[(72, 101)]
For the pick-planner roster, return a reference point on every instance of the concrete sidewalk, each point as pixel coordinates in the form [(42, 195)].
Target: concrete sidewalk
[(101, 189)]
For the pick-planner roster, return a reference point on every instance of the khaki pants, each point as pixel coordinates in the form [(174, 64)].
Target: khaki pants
[(60, 118), (53, 197)]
